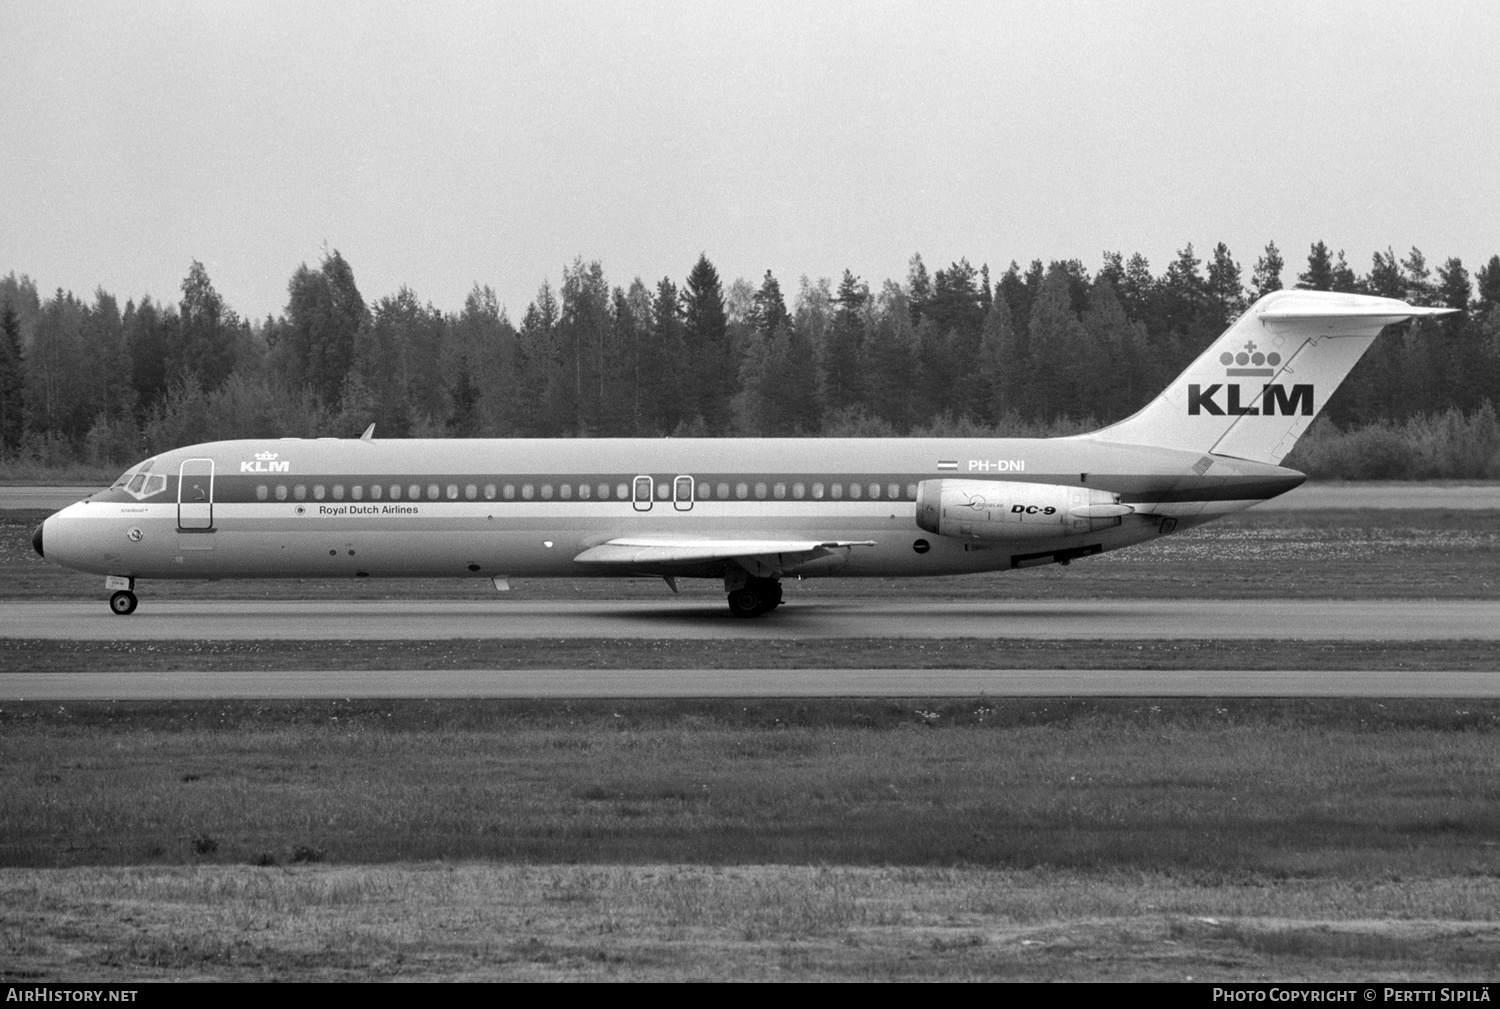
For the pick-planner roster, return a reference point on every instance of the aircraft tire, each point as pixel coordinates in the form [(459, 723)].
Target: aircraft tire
[(755, 598), (747, 602), (123, 603)]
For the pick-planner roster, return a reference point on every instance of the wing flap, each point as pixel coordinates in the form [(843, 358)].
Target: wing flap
[(756, 556)]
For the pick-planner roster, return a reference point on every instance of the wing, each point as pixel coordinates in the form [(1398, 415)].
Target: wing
[(707, 557)]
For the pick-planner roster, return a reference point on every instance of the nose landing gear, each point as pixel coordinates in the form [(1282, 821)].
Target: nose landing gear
[(122, 603)]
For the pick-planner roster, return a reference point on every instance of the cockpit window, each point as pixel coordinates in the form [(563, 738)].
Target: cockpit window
[(144, 485), (134, 473)]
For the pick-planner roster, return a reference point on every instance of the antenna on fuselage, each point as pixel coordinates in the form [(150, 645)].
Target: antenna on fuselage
[(369, 433)]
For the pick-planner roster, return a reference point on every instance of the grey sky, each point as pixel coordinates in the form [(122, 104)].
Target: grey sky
[(440, 145)]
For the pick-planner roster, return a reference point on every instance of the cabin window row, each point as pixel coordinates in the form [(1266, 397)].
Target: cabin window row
[(705, 491)]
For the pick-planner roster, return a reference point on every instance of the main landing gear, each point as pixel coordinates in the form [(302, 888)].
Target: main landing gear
[(755, 598)]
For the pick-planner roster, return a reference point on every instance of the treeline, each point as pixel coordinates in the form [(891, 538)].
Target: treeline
[(1046, 349)]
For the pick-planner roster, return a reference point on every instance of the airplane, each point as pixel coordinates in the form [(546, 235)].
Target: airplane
[(748, 511)]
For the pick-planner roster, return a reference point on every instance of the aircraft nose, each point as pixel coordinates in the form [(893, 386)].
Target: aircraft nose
[(36, 540)]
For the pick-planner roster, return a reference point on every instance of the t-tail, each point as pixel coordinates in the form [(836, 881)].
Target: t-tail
[(1257, 389)]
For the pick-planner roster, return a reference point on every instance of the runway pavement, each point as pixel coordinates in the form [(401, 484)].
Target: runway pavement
[(221, 620), (624, 683)]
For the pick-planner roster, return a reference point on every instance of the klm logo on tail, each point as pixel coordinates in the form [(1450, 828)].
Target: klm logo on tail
[(1274, 400)]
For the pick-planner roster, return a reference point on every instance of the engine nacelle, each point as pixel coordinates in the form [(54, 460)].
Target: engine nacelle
[(1006, 510)]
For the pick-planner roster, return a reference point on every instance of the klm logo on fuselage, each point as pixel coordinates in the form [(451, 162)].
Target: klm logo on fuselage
[(265, 462), (1272, 400)]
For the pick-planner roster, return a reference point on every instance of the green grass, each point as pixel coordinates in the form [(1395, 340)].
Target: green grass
[(515, 922), (1217, 790)]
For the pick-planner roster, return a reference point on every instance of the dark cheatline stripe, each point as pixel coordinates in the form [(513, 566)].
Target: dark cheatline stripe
[(1134, 489)]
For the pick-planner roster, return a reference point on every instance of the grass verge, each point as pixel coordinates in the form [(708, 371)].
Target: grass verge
[(1213, 790), (653, 922)]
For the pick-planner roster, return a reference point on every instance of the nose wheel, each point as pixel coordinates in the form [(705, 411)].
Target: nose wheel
[(123, 603)]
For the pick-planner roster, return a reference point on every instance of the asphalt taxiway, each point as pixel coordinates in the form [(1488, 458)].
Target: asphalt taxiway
[(699, 619), (649, 683)]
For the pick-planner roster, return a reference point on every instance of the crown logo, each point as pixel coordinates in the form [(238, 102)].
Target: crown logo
[(265, 456), (1250, 361)]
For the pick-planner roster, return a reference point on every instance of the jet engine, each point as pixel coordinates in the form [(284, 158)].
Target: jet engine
[(1006, 510)]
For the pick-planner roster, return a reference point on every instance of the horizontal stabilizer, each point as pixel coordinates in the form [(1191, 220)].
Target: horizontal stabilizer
[(1396, 313)]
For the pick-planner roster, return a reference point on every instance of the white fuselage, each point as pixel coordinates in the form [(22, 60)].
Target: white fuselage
[(530, 508)]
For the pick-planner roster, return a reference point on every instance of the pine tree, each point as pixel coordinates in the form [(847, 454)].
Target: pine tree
[(1342, 278), (1225, 294), (323, 316), (1385, 277), (844, 348), (706, 336), (12, 383), (1267, 276), (1319, 274), (1487, 279), (206, 332)]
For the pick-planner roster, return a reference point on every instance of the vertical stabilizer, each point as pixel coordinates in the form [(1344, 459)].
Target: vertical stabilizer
[(1253, 393)]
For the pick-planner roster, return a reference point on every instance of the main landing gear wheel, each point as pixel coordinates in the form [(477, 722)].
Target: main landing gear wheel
[(123, 603), (755, 598)]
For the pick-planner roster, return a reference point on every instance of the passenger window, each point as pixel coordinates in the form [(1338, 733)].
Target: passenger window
[(452, 491), (663, 492), (489, 492), (854, 491), (375, 490), (281, 492), (704, 491), (565, 491), (262, 492), (357, 492), (817, 492), (836, 490), (723, 492), (527, 492), (604, 492), (742, 491), (318, 492), (546, 492), (799, 491), (300, 492), (395, 492), (911, 492), (584, 491), (760, 491), (338, 492), (622, 491), (510, 492), (414, 491), (779, 491), (471, 492), (893, 491), (432, 492)]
